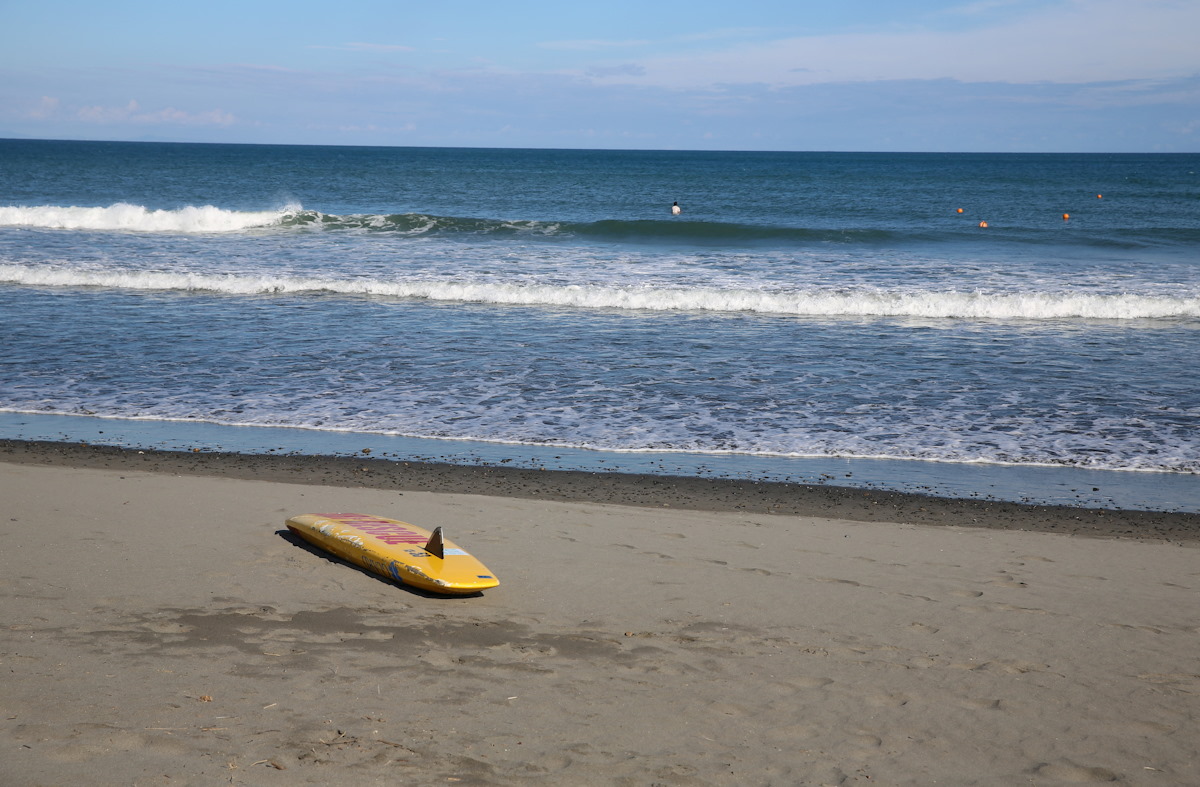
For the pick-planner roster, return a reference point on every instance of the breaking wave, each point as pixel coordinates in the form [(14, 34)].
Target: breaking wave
[(815, 302), (136, 218), (125, 217), (612, 230)]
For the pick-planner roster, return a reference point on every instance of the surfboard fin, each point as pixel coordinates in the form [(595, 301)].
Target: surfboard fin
[(434, 547)]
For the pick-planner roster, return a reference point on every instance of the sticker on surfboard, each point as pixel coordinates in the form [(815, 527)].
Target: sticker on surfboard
[(397, 550)]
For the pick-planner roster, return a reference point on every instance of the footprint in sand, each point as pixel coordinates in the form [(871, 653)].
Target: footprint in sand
[(790, 733), (1067, 771), (1028, 610), (1148, 728), (886, 700), (802, 684), (1004, 667), (980, 704), (1148, 629), (864, 740)]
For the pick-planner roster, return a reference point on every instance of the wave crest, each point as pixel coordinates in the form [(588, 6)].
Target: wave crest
[(127, 217), (929, 304), (613, 230), (136, 218), (209, 219)]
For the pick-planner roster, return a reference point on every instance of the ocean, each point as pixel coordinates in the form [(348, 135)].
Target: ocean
[(835, 318)]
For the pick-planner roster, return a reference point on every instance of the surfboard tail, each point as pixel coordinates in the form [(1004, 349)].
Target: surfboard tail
[(434, 545)]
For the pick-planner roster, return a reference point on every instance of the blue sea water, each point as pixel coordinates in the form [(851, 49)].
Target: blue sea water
[(808, 313)]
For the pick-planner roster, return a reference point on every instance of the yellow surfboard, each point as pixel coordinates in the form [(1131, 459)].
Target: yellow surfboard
[(396, 550)]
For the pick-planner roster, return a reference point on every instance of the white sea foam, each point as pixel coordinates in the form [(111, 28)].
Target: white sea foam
[(909, 445), (136, 218), (933, 304)]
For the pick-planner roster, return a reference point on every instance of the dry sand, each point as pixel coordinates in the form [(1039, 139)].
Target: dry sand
[(161, 627)]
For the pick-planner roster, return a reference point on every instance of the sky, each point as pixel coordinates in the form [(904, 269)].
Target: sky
[(851, 75)]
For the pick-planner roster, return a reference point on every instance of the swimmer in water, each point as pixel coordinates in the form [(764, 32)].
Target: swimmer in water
[(675, 210)]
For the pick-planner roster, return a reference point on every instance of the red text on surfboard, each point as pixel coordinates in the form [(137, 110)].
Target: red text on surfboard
[(385, 531)]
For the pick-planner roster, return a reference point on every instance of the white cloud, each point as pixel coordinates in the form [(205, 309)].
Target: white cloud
[(45, 108), (629, 69), (983, 7), (132, 113), (363, 46), (371, 128), (592, 45), (1184, 128), (359, 46), (1072, 41)]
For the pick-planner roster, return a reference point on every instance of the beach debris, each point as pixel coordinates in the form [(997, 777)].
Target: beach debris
[(205, 698)]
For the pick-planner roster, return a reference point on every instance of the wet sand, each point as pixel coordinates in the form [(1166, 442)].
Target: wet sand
[(161, 626), (696, 494)]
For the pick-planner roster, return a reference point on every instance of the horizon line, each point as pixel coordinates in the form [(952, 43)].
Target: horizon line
[(606, 150)]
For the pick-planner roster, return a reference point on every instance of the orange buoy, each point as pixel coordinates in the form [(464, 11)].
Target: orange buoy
[(1099, 196), (983, 224), (1066, 216), (960, 210)]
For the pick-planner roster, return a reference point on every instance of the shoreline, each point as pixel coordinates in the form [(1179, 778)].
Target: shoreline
[(641, 490), (1075, 487)]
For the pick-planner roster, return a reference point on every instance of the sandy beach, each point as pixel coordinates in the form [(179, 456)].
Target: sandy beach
[(161, 627)]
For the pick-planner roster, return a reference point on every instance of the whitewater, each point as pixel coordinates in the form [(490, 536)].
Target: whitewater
[(935, 304), (138, 218)]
